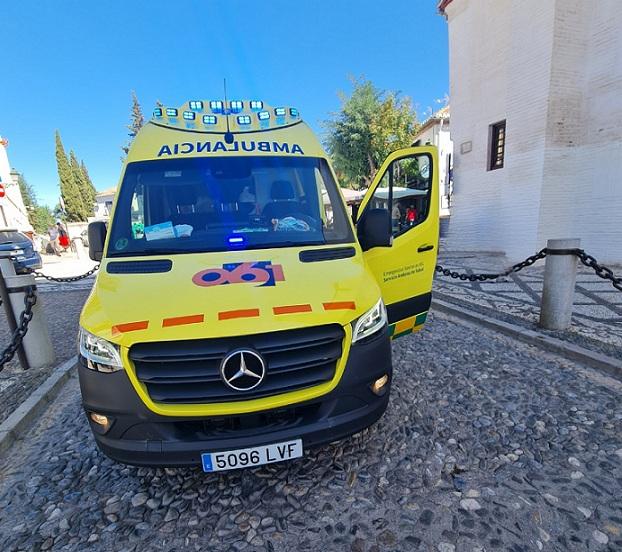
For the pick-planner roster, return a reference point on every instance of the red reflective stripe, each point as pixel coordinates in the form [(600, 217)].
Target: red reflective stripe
[(290, 309), (180, 320), (130, 327), (340, 305), (242, 313)]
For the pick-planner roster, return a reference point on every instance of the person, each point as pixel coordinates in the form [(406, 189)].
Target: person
[(63, 236), (396, 216), (411, 215), (53, 235)]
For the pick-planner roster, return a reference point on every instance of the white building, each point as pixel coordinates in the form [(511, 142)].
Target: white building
[(536, 116), (103, 203), (436, 132), (13, 212)]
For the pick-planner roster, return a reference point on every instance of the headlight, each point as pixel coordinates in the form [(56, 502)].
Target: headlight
[(374, 320), (100, 355)]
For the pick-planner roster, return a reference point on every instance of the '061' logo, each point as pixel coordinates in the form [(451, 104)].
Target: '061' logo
[(262, 273)]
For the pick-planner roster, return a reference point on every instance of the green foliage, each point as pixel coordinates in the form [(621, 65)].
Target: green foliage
[(38, 215), (136, 123), (370, 125), (85, 187), (70, 186)]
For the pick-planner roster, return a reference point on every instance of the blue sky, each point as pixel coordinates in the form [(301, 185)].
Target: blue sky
[(71, 65)]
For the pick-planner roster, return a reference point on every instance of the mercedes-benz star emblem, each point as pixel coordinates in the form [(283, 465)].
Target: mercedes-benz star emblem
[(243, 369)]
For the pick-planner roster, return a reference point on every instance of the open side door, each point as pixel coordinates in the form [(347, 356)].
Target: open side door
[(403, 202)]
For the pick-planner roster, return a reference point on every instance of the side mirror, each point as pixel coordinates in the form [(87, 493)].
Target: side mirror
[(97, 238), (374, 229)]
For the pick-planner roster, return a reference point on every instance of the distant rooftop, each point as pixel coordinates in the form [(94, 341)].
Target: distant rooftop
[(441, 115)]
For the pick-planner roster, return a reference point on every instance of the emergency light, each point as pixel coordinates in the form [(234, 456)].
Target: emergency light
[(249, 115)]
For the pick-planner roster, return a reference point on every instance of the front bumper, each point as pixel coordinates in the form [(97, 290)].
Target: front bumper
[(139, 436), (33, 262)]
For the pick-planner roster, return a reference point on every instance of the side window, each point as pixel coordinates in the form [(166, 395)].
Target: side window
[(405, 190)]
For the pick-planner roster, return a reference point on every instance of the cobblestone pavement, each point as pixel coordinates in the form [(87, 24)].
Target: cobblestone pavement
[(62, 311), (597, 318), (488, 444)]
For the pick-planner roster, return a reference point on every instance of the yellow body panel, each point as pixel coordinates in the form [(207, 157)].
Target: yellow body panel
[(135, 308)]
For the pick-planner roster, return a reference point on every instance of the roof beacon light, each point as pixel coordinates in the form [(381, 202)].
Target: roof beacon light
[(209, 119), (263, 115), (244, 119), (293, 112), (236, 106), (157, 112), (171, 112), (279, 111), (216, 106), (256, 104), (196, 105), (189, 115)]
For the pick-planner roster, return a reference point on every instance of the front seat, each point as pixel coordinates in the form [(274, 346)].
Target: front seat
[(283, 202)]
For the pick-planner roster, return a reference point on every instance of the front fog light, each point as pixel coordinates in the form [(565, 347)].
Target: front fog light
[(98, 354), (374, 320), (378, 387), (99, 419)]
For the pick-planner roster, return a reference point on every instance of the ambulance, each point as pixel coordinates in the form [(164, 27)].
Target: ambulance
[(241, 315)]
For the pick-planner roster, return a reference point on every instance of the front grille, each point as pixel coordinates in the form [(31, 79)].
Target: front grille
[(188, 371)]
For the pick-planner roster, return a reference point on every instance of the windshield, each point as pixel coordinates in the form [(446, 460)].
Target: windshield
[(8, 236), (222, 203)]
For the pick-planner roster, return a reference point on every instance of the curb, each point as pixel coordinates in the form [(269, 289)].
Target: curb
[(610, 365), (16, 424)]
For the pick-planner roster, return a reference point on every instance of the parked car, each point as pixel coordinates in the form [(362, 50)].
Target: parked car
[(12, 240)]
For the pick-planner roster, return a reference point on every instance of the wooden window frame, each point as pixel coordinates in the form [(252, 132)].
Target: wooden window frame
[(496, 145)]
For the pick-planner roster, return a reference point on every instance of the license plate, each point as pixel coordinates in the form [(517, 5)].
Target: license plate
[(250, 457)]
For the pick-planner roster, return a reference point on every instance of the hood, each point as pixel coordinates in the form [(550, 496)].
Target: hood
[(202, 295)]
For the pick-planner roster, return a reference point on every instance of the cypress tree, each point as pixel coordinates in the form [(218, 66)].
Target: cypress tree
[(81, 186), (136, 122), (69, 189), (92, 192)]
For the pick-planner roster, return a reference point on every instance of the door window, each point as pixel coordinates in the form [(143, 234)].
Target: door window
[(405, 191)]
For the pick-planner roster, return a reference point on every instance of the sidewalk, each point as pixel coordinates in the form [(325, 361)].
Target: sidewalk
[(597, 317)]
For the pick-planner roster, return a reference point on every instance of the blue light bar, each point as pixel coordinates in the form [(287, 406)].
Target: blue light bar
[(189, 115), (236, 240), (263, 115), (279, 111), (236, 106), (210, 119), (157, 112), (244, 119), (171, 112), (216, 106), (293, 112), (256, 104), (196, 105)]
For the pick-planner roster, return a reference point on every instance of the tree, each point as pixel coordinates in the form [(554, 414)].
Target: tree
[(28, 193), (84, 187), (69, 189), (136, 122), (38, 215), (371, 124)]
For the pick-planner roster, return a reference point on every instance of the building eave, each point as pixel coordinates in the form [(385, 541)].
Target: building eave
[(442, 5)]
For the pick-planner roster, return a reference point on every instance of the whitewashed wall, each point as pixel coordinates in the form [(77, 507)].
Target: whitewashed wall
[(13, 211), (553, 70)]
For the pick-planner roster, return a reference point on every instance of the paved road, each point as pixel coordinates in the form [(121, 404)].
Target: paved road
[(488, 444)]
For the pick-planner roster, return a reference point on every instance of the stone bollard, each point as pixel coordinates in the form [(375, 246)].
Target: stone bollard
[(560, 275), (80, 250), (36, 343)]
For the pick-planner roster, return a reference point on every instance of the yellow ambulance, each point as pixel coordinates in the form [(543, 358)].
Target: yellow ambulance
[(240, 315)]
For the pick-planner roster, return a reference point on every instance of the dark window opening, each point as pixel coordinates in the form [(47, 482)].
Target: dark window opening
[(496, 148)]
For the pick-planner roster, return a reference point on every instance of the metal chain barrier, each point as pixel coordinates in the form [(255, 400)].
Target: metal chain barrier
[(601, 271), (68, 278), (30, 299)]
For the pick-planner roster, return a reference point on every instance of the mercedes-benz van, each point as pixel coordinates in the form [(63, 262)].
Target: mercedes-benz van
[(240, 315)]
